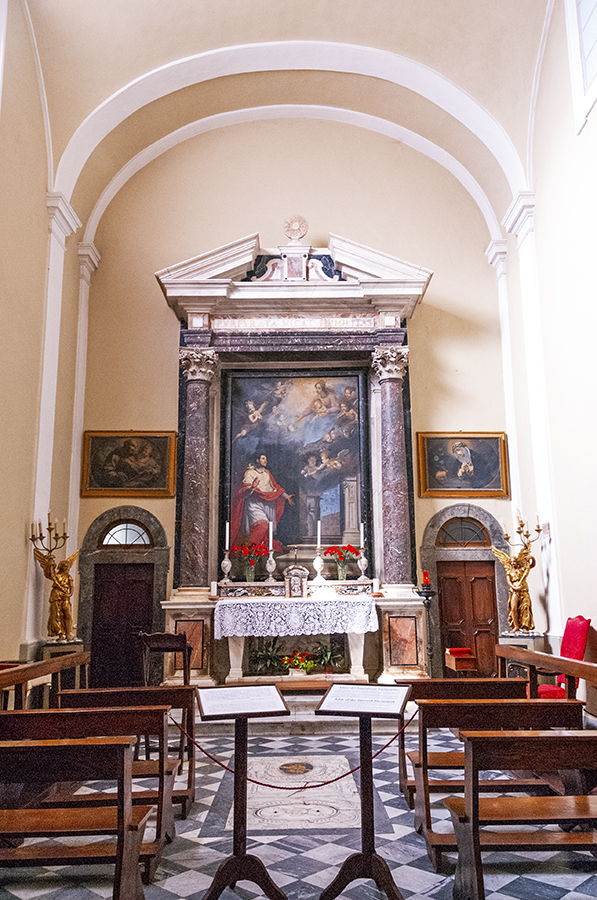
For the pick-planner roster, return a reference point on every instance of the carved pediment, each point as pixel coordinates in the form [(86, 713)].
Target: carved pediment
[(240, 284)]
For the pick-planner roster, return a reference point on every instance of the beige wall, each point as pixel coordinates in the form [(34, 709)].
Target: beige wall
[(23, 238), (566, 235)]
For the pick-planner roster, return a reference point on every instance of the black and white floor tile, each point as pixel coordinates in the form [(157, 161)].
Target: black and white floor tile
[(303, 860)]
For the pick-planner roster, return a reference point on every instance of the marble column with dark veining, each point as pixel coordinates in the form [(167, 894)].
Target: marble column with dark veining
[(199, 368), (389, 364)]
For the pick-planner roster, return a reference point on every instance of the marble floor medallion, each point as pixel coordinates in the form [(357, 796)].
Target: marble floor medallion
[(334, 805)]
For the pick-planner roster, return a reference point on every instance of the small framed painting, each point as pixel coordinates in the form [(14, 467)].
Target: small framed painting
[(458, 464), (128, 464)]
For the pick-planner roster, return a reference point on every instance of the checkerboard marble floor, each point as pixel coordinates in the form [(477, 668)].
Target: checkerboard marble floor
[(302, 861)]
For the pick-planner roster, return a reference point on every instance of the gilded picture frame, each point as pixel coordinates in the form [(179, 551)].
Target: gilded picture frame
[(128, 464), (463, 464)]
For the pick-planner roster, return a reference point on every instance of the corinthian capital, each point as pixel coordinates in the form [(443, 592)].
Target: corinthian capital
[(198, 365), (390, 362)]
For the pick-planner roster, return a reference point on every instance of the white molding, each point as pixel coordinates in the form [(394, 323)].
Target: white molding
[(284, 56), (325, 113), (496, 254), (519, 218), (583, 97), (89, 259), (43, 99), (63, 219), (535, 89)]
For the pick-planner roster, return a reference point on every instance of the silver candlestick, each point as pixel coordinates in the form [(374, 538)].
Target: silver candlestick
[(318, 564), (362, 563), (226, 565), (271, 568)]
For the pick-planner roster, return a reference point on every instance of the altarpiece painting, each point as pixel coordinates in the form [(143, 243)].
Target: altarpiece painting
[(295, 454)]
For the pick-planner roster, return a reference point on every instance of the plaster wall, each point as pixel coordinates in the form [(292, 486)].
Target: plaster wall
[(566, 236), (24, 241)]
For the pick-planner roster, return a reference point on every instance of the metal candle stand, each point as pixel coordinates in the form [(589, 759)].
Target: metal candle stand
[(426, 593)]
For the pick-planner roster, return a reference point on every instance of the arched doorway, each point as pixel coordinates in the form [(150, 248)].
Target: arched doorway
[(471, 604), (123, 568)]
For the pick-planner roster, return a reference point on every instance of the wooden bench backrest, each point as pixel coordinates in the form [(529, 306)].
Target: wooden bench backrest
[(52, 724), (494, 714), (73, 759), (178, 696), (464, 688), (545, 751)]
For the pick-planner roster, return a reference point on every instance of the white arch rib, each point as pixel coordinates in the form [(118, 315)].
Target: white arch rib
[(372, 123), (290, 55)]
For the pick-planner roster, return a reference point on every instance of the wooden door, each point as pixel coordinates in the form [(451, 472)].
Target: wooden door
[(122, 607), (468, 610)]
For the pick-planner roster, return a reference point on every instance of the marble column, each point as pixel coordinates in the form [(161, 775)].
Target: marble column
[(389, 364), (199, 368)]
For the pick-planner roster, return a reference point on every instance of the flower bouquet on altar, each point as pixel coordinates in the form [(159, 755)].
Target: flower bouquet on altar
[(298, 662), (343, 555), (250, 553)]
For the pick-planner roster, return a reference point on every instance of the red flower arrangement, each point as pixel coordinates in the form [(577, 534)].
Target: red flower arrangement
[(251, 551), (303, 661), (344, 553)]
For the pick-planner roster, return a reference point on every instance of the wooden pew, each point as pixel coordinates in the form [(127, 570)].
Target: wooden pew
[(50, 761), (451, 689), (535, 661), (477, 715), (19, 676), (179, 697), (50, 724), (542, 751)]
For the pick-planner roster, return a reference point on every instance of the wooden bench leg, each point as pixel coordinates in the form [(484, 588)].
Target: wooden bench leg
[(468, 878), (127, 876)]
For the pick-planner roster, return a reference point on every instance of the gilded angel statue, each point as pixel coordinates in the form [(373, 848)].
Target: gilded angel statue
[(60, 620), (517, 568)]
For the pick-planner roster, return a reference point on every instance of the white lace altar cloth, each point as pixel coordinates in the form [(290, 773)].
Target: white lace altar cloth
[(246, 616)]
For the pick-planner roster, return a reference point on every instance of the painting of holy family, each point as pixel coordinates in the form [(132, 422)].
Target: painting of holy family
[(295, 455)]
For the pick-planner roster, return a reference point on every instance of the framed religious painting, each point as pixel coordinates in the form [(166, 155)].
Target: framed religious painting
[(128, 464), (458, 464), (295, 454)]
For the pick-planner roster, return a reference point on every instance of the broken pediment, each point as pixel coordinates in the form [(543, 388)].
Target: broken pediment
[(295, 285)]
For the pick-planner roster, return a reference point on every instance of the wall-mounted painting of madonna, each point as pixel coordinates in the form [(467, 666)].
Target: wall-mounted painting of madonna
[(295, 454)]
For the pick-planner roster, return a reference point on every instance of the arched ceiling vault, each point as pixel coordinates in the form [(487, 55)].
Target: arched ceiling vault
[(361, 86)]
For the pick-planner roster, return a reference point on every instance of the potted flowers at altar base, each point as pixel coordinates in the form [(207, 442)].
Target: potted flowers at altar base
[(343, 555), (249, 554), (299, 663)]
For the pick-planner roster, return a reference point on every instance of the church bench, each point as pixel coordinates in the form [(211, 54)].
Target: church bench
[(450, 689), (545, 751), (42, 762), (178, 697), (70, 723), (536, 661), (477, 715)]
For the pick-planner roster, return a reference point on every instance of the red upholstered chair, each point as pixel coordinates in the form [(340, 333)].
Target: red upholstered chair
[(574, 642)]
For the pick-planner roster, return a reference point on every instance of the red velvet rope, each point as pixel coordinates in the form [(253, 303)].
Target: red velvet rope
[(286, 787)]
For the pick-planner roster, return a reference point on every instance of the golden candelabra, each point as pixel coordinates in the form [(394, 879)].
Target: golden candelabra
[(54, 540), (517, 568), (60, 623)]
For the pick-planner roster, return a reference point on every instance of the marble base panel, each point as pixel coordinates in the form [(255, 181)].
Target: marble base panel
[(403, 635)]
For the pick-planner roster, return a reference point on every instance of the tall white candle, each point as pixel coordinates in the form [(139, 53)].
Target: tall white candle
[(271, 535), (319, 533), (214, 589), (227, 540), (362, 535)]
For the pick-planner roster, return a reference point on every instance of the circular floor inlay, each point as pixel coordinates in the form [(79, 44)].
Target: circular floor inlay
[(296, 768)]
